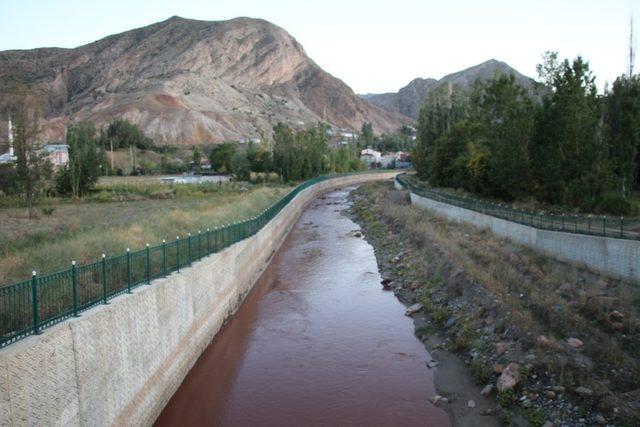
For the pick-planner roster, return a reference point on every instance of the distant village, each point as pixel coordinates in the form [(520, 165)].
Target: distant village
[(58, 154)]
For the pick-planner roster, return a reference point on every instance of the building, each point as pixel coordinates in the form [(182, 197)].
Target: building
[(9, 156), (388, 161), (370, 157), (58, 154)]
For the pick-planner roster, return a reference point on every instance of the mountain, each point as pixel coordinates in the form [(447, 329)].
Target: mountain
[(409, 99), (186, 81)]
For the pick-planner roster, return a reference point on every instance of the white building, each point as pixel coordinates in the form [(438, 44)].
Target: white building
[(9, 156), (58, 154), (370, 156)]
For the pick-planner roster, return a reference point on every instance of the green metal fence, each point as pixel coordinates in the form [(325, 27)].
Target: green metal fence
[(604, 226), (28, 307)]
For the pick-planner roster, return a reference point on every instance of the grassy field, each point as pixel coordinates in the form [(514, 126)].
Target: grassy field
[(123, 212)]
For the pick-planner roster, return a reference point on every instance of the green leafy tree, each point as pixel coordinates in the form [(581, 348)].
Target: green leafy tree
[(33, 169), (568, 153), (221, 155), (367, 138), (622, 116), (83, 170), (240, 166)]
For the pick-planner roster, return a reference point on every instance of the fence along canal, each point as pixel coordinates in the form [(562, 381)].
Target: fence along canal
[(603, 226), (30, 306)]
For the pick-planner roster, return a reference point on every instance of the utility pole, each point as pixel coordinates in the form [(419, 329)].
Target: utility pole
[(632, 50)]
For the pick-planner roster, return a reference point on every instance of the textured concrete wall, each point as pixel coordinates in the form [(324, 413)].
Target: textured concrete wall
[(119, 364), (614, 256)]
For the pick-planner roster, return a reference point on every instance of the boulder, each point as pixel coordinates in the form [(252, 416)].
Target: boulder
[(501, 348), (575, 343), (584, 391), (413, 309), (509, 378), (486, 391)]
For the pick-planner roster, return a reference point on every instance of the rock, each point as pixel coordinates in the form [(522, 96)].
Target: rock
[(548, 424), (432, 364), (486, 391), (509, 377), (550, 394), (413, 309), (584, 391), (439, 400), (575, 343), (600, 419), (558, 389), (471, 404), (616, 315), (498, 368), (450, 322), (565, 288), (501, 348)]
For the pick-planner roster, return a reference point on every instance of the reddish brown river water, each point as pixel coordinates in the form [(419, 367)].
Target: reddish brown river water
[(317, 342)]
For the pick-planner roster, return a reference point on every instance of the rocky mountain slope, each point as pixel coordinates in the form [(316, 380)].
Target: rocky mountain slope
[(409, 99), (188, 82)]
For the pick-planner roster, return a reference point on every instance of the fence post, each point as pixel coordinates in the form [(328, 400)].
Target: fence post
[(148, 265), (621, 227), (128, 271), (589, 218), (104, 279), (34, 301), (604, 226), (575, 228), (74, 287), (164, 258), (178, 253), (189, 248), (199, 244)]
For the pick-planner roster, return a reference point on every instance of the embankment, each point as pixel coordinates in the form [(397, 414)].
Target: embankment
[(119, 364), (618, 257)]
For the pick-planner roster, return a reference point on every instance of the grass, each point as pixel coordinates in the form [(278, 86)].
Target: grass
[(122, 213)]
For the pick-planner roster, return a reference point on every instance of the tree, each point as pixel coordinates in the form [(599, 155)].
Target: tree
[(568, 152), (622, 116), (197, 157), (366, 137), (83, 169), (504, 115), (33, 169), (221, 155), (240, 166)]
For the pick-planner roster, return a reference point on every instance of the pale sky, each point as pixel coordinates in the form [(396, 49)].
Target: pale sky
[(373, 46)]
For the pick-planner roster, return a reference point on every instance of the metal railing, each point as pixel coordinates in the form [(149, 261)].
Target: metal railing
[(28, 307), (603, 226)]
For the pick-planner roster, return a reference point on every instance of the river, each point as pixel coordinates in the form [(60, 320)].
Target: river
[(317, 342)]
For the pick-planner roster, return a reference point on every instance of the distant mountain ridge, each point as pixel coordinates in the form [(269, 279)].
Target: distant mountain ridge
[(408, 100), (187, 81)]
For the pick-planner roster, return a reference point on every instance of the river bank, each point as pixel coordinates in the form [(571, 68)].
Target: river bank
[(547, 342)]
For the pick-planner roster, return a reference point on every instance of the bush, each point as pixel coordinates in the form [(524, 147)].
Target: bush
[(48, 210), (614, 204)]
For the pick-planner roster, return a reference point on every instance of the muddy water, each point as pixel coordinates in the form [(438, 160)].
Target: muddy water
[(316, 343)]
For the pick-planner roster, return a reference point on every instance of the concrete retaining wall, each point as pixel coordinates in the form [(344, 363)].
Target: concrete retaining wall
[(119, 364), (614, 256)]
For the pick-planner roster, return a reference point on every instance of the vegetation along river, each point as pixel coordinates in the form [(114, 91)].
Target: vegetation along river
[(317, 342)]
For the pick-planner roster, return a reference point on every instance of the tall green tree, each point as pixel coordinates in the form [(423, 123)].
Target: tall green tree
[(221, 155), (622, 118), (33, 169), (568, 152), (83, 170)]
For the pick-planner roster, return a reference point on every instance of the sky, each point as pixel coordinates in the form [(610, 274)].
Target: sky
[(373, 46)]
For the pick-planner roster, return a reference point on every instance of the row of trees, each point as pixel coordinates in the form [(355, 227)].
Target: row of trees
[(294, 156), (559, 142)]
